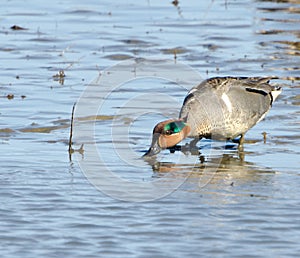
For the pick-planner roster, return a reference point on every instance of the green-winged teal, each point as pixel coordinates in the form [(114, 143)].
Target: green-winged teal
[(218, 108)]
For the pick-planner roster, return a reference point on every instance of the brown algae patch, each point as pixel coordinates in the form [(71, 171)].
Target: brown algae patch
[(6, 130), (42, 129), (118, 57), (96, 118), (59, 124), (176, 50)]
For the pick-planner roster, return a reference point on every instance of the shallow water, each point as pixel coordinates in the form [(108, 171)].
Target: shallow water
[(224, 204)]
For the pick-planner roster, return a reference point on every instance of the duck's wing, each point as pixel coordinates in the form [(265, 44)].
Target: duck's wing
[(220, 85), (248, 100)]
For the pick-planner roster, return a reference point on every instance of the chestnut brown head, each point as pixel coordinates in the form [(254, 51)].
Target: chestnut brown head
[(167, 134)]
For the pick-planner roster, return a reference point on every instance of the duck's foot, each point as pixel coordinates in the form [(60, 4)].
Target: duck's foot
[(175, 148), (188, 148), (192, 146), (239, 141)]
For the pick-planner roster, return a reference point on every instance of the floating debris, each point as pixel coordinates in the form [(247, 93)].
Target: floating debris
[(60, 74), (211, 46), (175, 2), (10, 96), (60, 77), (16, 27)]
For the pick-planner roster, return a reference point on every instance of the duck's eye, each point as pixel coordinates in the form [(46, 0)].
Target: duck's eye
[(168, 132), (173, 127)]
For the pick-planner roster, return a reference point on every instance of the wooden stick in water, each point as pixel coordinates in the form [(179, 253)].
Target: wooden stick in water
[(71, 150)]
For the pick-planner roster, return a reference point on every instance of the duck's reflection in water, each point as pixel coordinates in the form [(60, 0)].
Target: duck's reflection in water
[(220, 174)]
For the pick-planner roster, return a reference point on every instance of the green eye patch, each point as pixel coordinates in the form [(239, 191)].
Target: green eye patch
[(174, 127)]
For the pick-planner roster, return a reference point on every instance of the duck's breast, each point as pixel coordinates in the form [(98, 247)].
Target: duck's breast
[(206, 113)]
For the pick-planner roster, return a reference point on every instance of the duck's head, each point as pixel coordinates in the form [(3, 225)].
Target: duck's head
[(167, 134)]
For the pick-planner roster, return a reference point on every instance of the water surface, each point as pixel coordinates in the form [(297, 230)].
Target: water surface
[(249, 207)]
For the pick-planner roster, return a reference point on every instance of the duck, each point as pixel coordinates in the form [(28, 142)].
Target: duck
[(219, 108)]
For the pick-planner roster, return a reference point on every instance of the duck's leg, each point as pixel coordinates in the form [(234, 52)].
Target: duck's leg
[(194, 142), (242, 139), (241, 142), (241, 153)]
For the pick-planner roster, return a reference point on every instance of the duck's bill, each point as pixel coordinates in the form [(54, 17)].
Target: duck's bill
[(153, 150)]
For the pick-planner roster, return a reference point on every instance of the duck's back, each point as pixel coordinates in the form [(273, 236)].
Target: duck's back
[(226, 107)]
